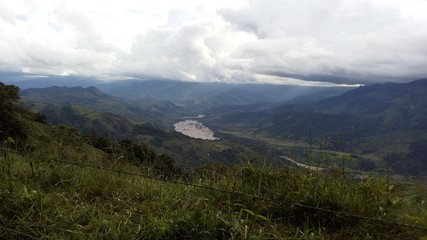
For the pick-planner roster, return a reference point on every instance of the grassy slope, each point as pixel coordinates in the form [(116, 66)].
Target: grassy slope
[(42, 197), (62, 201)]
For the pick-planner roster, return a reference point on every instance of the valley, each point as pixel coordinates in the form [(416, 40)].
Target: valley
[(271, 122)]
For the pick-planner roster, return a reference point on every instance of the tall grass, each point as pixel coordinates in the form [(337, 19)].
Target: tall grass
[(48, 199)]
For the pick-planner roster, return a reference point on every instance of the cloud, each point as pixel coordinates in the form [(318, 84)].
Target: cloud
[(50, 40), (340, 41), (368, 40), (197, 49)]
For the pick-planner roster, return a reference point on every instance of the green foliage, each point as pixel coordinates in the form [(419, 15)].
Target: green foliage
[(9, 126), (10, 140), (136, 153), (9, 94)]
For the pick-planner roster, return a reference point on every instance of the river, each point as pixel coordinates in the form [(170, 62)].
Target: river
[(194, 129), (309, 167)]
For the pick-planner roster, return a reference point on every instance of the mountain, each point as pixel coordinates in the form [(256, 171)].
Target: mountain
[(92, 98), (195, 96), (381, 107), (87, 121), (394, 106), (373, 122), (24, 81), (203, 96), (26, 134)]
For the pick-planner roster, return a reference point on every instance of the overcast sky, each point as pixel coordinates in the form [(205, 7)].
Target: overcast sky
[(342, 41)]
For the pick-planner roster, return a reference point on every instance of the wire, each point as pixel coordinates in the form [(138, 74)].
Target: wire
[(245, 195)]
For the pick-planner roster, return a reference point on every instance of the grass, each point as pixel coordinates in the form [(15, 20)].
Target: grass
[(47, 199)]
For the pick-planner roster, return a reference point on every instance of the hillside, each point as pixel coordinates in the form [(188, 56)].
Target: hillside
[(188, 152), (376, 122), (57, 184), (88, 122), (92, 98), (394, 106)]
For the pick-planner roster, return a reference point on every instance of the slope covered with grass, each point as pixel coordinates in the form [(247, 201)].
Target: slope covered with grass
[(45, 198), (56, 184)]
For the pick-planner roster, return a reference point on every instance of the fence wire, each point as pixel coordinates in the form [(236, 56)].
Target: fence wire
[(259, 198), (280, 202)]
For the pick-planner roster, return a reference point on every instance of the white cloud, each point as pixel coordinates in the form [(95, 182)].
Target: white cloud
[(378, 40), (197, 49), (216, 40)]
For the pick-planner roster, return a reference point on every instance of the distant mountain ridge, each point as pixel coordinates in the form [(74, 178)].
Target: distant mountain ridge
[(87, 121), (393, 105), (203, 96), (196, 96), (95, 99), (387, 92), (375, 121), (25, 81)]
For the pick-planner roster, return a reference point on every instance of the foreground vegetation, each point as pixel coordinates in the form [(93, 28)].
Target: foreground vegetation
[(56, 184), (45, 198)]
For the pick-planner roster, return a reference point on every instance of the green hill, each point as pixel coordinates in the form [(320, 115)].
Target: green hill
[(56, 184), (393, 106), (87, 121), (92, 98)]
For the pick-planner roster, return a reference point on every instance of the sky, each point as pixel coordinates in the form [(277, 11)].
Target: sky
[(242, 41)]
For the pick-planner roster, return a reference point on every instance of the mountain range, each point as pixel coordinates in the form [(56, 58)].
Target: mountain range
[(371, 123), (92, 98), (199, 96)]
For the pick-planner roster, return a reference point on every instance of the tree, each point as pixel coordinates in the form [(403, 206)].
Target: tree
[(9, 127), (9, 94)]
